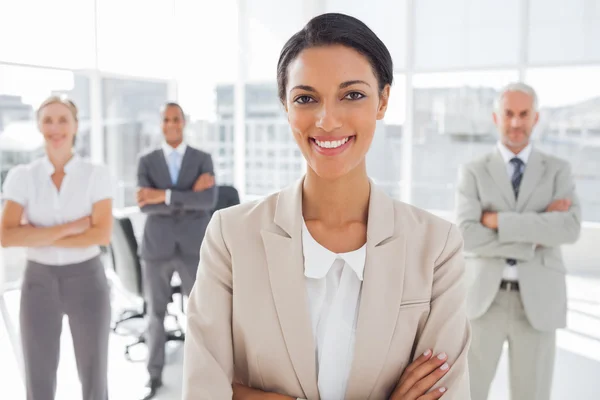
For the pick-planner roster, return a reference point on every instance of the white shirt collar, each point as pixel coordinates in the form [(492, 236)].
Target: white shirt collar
[(318, 260), (168, 149), (508, 155), (49, 167)]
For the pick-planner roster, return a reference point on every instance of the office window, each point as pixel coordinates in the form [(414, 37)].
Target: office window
[(22, 90), (266, 34), (266, 124), (387, 18), (285, 135), (138, 37), (131, 125), (258, 136), (452, 125), (222, 136), (384, 159), (564, 31), (53, 33), (270, 24), (200, 127), (464, 33), (270, 134), (205, 72), (569, 126)]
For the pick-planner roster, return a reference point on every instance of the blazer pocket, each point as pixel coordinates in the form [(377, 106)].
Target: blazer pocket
[(554, 262), (415, 304)]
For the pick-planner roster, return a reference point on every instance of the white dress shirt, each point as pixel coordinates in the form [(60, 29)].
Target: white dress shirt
[(167, 150), (31, 186), (510, 271), (333, 284)]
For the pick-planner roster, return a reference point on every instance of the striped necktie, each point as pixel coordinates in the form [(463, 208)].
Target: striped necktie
[(517, 175), (516, 179)]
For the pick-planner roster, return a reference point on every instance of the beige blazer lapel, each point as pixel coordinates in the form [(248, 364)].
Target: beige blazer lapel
[(534, 171), (285, 262), (380, 297), (497, 169)]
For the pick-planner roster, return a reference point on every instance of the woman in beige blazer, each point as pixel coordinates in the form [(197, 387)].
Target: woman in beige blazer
[(329, 289)]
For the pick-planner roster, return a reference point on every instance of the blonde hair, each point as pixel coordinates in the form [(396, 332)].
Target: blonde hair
[(62, 99)]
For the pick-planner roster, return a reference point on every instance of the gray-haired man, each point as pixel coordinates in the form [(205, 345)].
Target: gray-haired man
[(515, 207)]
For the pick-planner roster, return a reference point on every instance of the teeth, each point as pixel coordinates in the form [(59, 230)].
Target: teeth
[(332, 144)]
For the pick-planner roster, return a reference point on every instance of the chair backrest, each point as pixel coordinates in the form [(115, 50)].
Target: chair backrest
[(228, 196), (126, 260)]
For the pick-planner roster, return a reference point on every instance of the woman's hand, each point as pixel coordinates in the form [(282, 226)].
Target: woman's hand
[(241, 392), (420, 376), (416, 380)]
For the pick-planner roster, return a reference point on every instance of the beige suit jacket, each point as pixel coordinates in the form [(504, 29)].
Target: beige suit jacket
[(248, 315), (526, 232)]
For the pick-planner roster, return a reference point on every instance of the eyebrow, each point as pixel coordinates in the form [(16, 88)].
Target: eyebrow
[(517, 112), (355, 82), (343, 85), (49, 117)]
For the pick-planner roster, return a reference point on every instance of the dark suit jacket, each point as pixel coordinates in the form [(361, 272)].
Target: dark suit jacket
[(182, 223)]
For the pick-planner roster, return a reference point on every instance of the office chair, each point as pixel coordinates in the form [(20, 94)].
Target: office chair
[(128, 269), (228, 196)]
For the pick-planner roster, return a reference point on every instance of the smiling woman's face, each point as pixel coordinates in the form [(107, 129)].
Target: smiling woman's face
[(58, 125), (333, 104)]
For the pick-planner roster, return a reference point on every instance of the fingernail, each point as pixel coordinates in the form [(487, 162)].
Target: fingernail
[(441, 356), (442, 390), (444, 367), (427, 353)]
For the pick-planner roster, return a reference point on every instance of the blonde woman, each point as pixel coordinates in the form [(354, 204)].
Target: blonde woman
[(67, 205)]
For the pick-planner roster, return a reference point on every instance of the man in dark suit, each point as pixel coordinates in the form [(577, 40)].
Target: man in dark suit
[(177, 193)]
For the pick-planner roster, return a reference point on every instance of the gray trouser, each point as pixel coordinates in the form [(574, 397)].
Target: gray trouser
[(157, 285), (531, 352), (81, 292)]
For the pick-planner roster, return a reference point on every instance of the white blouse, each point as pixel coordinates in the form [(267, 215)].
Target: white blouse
[(333, 283), (31, 186)]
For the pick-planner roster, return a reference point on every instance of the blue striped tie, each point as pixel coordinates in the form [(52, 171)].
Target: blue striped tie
[(517, 175)]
